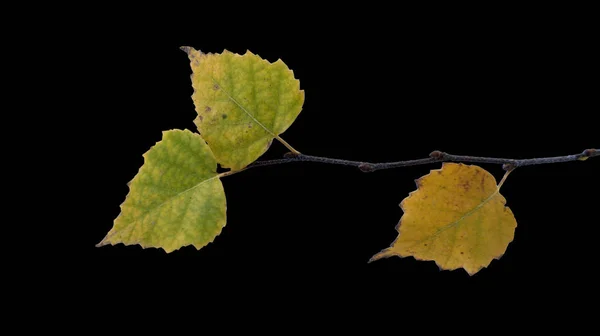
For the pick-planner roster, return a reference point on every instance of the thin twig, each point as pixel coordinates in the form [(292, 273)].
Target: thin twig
[(435, 156)]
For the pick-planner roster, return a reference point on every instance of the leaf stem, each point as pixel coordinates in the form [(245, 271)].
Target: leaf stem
[(435, 156), (287, 145), (504, 178)]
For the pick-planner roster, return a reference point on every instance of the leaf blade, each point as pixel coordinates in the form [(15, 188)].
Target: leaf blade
[(175, 200), (456, 217), (243, 103)]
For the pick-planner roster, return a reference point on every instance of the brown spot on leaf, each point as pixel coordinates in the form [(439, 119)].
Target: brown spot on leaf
[(224, 116), (249, 125), (216, 87), (207, 109), (465, 185), (461, 252), (200, 117)]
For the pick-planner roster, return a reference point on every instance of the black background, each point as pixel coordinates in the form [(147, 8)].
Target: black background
[(376, 90)]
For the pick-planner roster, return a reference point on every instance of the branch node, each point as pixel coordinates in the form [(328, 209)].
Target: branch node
[(436, 154), (509, 166), (590, 152), (290, 155), (366, 167)]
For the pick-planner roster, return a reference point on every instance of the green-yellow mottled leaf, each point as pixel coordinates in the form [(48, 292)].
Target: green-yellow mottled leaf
[(176, 199), (243, 103), (456, 217)]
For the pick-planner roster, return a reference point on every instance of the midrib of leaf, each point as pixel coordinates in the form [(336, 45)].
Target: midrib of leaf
[(256, 120), (146, 213), (456, 222), (244, 109), (170, 199), (142, 216), (453, 224)]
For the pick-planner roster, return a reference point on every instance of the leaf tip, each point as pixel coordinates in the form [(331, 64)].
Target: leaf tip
[(383, 254), (103, 243), (187, 50), (106, 239)]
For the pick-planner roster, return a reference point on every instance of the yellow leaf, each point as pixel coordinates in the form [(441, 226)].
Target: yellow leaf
[(456, 217)]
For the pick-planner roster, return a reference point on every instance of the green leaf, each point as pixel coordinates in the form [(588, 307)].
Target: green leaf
[(243, 103), (176, 199)]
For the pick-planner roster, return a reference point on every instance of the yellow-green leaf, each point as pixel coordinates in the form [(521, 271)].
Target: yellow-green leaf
[(176, 199), (456, 217), (243, 103)]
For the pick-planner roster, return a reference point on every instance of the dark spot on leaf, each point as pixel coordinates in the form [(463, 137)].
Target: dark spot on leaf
[(200, 117), (224, 116), (465, 185), (249, 125), (461, 252), (216, 87), (425, 244), (207, 109)]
